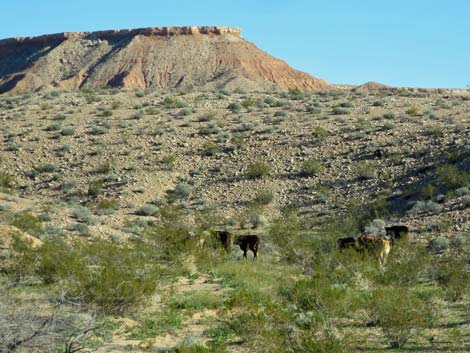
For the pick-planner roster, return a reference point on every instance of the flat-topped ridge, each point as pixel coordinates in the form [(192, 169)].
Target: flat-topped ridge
[(110, 34)]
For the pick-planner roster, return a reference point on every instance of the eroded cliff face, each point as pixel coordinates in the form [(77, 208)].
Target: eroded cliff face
[(160, 57)]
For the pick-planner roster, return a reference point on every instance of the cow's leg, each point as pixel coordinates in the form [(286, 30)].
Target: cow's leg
[(254, 249), (245, 251)]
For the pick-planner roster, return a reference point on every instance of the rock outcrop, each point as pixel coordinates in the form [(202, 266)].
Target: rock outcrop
[(160, 57)]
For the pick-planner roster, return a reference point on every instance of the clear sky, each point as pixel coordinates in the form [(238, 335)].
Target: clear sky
[(414, 43)]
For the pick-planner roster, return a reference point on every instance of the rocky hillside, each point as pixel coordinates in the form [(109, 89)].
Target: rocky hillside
[(165, 57)]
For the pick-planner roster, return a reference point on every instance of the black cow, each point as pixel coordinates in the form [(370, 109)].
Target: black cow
[(346, 243), (224, 238), (397, 233), (248, 242)]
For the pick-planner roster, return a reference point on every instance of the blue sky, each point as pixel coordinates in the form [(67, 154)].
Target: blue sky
[(412, 43)]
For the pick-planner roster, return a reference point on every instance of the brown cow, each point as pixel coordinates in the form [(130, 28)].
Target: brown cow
[(248, 242), (375, 245)]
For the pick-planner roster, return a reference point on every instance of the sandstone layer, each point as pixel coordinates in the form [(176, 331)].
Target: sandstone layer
[(159, 57)]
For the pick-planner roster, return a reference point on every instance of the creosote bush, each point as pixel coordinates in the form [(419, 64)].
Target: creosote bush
[(400, 312), (99, 274), (311, 167), (258, 170)]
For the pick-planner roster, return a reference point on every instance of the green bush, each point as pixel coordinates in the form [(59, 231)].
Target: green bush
[(7, 182), (258, 170), (400, 313), (413, 111), (366, 170), (46, 168), (67, 131), (210, 149), (27, 222), (439, 244), (452, 177), (147, 210), (109, 278), (311, 167), (263, 197), (453, 277), (321, 133), (180, 192), (235, 107)]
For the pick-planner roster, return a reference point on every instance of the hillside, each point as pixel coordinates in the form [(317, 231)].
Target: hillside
[(164, 57), (111, 181)]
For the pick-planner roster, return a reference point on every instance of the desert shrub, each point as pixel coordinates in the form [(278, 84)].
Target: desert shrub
[(400, 313), (185, 112), (263, 197), (346, 105), (366, 170), (389, 115), (7, 182), (280, 113), (97, 130), (169, 162), (210, 129), (100, 274), (452, 177), (210, 149), (248, 102), (137, 116), (413, 111), (235, 107), (147, 210), (321, 133), (425, 206), (405, 267), (376, 227), (466, 200), (45, 168), (53, 127), (439, 244), (27, 222), (429, 191), (35, 325), (340, 111), (459, 192), (67, 131), (105, 113), (434, 131), (82, 214), (258, 170), (171, 102), (181, 191), (81, 228), (311, 167), (107, 206), (452, 276), (378, 104), (207, 116), (95, 188), (59, 117)]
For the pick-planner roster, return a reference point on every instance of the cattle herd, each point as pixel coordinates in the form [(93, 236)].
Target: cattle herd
[(375, 245)]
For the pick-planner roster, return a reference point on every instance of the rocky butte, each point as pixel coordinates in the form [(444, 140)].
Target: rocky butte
[(161, 57)]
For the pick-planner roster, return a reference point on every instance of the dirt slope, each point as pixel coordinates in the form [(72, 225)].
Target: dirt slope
[(167, 57)]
